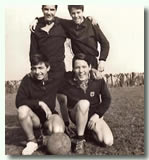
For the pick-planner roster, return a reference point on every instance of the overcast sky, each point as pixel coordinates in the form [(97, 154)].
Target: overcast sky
[(123, 27)]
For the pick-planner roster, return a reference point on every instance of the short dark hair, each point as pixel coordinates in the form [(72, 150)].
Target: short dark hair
[(56, 6), (39, 58), (81, 56), (75, 6)]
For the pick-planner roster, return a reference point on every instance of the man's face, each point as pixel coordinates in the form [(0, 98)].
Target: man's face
[(40, 71), (77, 15), (49, 12), (81, 69)]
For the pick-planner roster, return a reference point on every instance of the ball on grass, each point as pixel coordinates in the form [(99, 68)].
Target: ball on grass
[(59, 144)]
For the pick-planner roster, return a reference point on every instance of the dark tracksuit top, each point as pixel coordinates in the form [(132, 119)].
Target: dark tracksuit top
[(31, 91), (85, 38), (95, 88), (51, 45)]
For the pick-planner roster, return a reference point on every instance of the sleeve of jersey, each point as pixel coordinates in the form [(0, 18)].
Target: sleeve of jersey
[(22, 97), (104, 43), (50, 101), (66, 24), (105, 99), (34, 49), (40, 19)]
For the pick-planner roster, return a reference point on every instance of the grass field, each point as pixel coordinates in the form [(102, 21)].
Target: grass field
[(125, 118)]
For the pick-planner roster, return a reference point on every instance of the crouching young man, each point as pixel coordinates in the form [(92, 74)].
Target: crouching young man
[(88, 100), (35, 102)]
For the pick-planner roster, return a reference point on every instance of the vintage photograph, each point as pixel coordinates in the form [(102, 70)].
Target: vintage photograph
[(74, 80)]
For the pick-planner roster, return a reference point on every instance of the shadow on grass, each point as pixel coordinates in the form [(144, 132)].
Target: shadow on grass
[(13, 133)]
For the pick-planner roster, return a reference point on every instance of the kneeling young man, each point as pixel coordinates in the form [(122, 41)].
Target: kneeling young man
[(35, 102), (88, 100)]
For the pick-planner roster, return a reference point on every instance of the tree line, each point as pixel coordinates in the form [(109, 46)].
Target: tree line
[(112, 80)]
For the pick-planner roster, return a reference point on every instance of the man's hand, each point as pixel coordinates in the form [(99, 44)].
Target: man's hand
[(33, 25), (45, 108), (93, 20), (96, 74), (70, 131), (92, 121), (101, 66)]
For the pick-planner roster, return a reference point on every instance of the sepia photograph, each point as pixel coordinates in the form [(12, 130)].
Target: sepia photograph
[(74, 80)]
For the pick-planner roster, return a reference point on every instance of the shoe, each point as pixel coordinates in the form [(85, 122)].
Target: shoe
[(30, 148), (80, 146), (40, 140)]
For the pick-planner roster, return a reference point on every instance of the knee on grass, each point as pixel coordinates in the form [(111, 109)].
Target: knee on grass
[(108, 141), (103, 133)]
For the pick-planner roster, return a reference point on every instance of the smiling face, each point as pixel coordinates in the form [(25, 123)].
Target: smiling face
[(77, 15), (81, 69), (49, 12), (40, 71)]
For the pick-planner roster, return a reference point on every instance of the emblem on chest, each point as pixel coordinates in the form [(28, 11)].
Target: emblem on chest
[(92, 94)]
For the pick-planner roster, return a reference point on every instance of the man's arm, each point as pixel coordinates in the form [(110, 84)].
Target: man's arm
[(105, 98), (48, 101), (64, 22), (104, 43), (34, 48), (33, 25), (22, 97), (46, 109)]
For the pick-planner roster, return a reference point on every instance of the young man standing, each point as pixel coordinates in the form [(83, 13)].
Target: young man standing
[(48, 39), (85, 37), (35, 102), (85, 107)]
